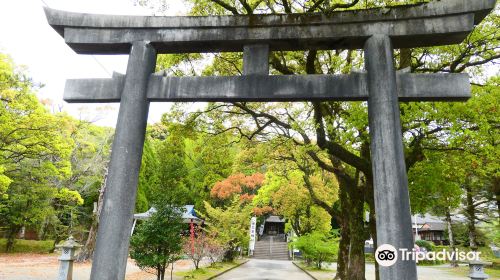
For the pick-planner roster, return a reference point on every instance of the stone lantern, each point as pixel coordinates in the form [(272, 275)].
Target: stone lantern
[(476, 270), (68, 249)]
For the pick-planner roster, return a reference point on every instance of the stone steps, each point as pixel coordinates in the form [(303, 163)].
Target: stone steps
[(271, 249)]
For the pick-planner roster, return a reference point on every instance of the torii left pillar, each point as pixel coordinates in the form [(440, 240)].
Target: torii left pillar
[(121, 187)]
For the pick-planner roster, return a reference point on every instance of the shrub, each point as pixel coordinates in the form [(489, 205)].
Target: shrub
[(318, 247), (28, 246), (428, 245)]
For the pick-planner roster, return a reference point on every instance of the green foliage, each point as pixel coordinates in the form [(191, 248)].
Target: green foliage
[(4, 182), (28, 246), (172, 171), (229, 226), (148, 177), (35, 148), (303, 215), (428, 245), (157, 242), (492, 233), (209, 159), (434, 184), (462, 235), (318, 247)]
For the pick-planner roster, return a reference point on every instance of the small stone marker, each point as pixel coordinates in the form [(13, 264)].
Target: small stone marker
[(67, 257), (476, 271)]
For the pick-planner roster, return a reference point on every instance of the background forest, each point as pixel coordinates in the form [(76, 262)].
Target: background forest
[(308, 162)]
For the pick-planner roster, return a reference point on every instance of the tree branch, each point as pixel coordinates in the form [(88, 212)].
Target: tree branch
[(226, 6)]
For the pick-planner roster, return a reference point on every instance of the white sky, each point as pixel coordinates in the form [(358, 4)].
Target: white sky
[(31, 42)]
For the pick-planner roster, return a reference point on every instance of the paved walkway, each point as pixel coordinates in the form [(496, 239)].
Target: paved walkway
[(424, 273), (265, 270)]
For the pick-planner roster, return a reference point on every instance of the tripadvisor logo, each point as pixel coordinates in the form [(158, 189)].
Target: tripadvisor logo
[(387, 255)]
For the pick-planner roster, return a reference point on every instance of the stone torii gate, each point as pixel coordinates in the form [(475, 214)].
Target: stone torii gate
[(377, 31)]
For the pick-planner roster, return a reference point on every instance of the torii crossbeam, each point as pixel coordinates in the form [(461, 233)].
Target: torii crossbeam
[(377, 31)]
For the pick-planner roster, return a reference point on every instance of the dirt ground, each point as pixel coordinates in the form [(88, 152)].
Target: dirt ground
[(45, 267)]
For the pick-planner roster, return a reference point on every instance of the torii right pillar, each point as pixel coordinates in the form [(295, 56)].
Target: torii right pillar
[(390, 181)]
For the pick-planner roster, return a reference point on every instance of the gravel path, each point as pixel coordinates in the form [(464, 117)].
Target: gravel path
[(45, 267)]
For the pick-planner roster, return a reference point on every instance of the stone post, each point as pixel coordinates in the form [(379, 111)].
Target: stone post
[(476, 270), (115, 223), (68, 249), (392, 203), (256, 60)]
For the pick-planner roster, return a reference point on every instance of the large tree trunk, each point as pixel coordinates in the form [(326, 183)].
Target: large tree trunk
[(87, 251), (162, 271), (450, 237), (471, 215), (343, 255), (370, 200), (11, 238), (345, 241), (44, 228), (356, 267), (496, 191)]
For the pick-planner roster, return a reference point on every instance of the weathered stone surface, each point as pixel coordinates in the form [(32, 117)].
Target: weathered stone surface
[(256, 60), (115, 222), (390, 182), (434, 23), (411, 87)]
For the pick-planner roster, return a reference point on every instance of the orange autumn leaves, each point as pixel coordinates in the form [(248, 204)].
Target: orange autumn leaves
[(238, 185), (259, 211), (242, 187)]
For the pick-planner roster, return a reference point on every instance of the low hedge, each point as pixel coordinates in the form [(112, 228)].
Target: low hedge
[(28, 246)]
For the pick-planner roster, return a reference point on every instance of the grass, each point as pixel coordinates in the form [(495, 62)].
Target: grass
[(28, 246), (205, 273), (493, 272), (304, 266)]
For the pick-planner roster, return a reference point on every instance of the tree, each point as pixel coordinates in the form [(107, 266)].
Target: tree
[(434, 189), (148, 177), (64, 214), (338, 129), (302, 214), (215, 250), (158, 242), (317, 247), (460, 166), (237, 186), (34, 152), (172, 171), (89, 160), (229, 226), (196, 249)]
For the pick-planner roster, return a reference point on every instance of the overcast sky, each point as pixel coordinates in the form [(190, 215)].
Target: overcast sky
[(31, 42)]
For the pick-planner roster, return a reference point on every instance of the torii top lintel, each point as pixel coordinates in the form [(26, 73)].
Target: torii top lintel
[(430, 24)]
